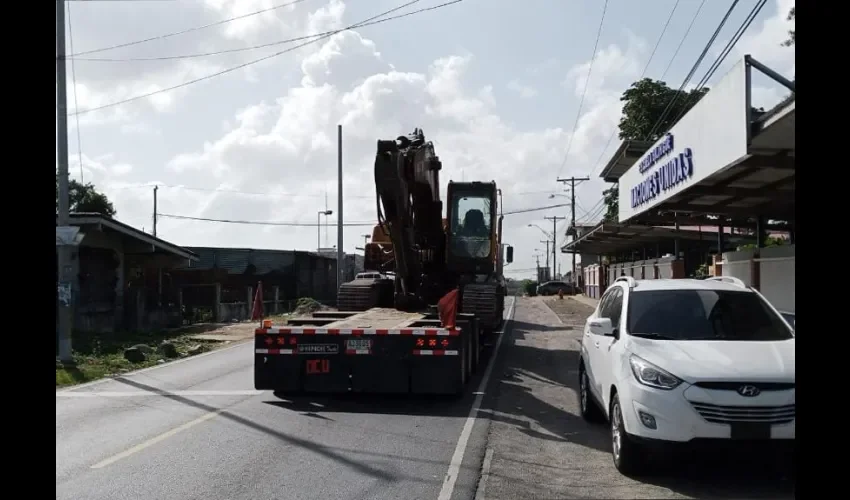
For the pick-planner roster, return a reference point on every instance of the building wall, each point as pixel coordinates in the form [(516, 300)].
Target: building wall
[(770, 270)]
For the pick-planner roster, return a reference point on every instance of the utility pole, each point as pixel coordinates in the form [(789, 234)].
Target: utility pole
[(63, 216), (547, 255), (554, 220), (155, 188), (340, 255), (572, 230)]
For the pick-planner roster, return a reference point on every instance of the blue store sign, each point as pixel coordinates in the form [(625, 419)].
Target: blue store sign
[(672, 172)]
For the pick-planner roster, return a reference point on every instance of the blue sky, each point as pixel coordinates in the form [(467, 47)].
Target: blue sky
[(496, 84)]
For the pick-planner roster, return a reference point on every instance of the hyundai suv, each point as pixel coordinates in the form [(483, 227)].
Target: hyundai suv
[(686, 361)]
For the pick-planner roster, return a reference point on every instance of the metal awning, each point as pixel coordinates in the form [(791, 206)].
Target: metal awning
[(626, 155), (611, 238)]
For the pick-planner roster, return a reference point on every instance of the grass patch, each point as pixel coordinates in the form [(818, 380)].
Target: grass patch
[(99, 355)]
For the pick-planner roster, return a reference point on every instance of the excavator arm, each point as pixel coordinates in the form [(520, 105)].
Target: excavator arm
[(407, 184)]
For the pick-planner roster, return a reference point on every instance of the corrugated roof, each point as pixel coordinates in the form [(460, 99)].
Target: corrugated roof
[(237, 260)]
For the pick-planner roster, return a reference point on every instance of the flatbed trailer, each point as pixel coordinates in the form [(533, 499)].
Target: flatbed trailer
[(374, 351)]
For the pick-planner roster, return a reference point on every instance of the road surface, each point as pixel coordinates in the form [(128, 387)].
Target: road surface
[(196, 429)]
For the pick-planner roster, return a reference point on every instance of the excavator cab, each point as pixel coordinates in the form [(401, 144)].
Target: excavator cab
[(472, 222)]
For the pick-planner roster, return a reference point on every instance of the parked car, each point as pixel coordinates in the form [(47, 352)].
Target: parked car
[(552, 288), (678, 361)]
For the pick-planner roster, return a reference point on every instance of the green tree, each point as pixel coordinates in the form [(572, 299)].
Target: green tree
[(792, 34), (85, 198), (644, 104)]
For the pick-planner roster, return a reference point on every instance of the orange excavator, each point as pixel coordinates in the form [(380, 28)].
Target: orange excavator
[(423, 254)]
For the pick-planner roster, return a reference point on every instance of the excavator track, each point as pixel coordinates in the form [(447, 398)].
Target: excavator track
[(362, 295), (486, 301)]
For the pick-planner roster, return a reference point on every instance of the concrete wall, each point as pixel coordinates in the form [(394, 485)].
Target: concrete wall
[(770, 270)]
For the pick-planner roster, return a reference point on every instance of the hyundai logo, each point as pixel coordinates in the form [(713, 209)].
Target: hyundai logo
[(749, 391)]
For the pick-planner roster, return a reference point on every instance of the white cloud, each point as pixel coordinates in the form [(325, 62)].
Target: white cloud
[(524, 91), (279, 145)]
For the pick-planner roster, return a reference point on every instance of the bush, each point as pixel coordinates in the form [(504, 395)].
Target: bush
[(531, 288)]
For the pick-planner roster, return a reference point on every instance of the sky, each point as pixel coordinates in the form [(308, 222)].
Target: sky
[(516, 92)]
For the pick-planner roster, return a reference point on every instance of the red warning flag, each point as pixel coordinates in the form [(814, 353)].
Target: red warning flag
[(447, 308), (257, 311)]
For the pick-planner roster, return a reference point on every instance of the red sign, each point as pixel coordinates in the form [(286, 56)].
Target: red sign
[(315, 366)]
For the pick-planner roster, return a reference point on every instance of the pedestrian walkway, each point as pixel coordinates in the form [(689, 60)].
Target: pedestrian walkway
[(584, 299)]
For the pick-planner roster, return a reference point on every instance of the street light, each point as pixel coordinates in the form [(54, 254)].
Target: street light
[(319, 226), (548, 236)]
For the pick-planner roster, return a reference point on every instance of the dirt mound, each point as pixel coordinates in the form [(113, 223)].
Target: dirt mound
[(307, 305)]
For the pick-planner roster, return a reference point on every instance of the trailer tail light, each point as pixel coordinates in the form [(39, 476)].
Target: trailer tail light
[(420, 342), (292, 341), (269, 341), (444, 342), (432, 342), (281, 341)]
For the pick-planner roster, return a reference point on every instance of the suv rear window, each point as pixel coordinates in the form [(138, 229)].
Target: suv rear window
[(703, 315)]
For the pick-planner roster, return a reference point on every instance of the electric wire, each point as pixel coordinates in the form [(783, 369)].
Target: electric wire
[(264, 223), (74, 85), (598, 162), (691, 73), (584, 91), (256, 47), (254, 61), (183, 32), (314, 224), (722, 56)]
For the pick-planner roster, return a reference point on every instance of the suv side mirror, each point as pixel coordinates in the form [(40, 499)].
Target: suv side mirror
[(601, 326), (510, 256)]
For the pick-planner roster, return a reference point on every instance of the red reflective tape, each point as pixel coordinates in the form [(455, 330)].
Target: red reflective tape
[(308, 331), (261, 331), (357, 331), (333, 331), (382, 332)]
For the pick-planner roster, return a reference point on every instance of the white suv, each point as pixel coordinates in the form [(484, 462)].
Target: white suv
[(682, 361)]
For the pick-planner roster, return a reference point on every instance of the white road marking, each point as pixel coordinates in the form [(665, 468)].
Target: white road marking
[(457, 457), (485, 475), (150, 442), (137, 394)]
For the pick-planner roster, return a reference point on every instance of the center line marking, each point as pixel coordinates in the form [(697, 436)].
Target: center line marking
[(457, 457), (150, 442)]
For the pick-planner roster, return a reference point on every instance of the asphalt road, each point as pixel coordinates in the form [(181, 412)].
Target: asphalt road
[(195, 429)]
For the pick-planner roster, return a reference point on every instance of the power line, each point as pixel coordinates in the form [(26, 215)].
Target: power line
[(682, 41), (693, 70), (183, 32), (253, 47), (262, 223), (722, 56), (646, 68), (538, 209), (584, 92), (267, 194), (74, 84), (255, 61)]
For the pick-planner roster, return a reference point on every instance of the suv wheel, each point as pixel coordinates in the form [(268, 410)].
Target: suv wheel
[(627, 455), (590, 411)]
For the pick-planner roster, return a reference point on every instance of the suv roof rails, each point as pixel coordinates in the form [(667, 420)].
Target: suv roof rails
[(631, 282), (728, 279)]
